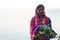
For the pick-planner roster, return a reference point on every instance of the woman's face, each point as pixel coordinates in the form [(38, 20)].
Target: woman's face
[(40, 11)]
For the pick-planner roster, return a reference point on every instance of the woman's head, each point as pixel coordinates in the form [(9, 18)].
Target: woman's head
[(40, 10)]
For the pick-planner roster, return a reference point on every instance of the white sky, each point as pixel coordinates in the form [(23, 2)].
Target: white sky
[(15, 15)]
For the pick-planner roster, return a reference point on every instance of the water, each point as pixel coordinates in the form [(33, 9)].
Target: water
[(13, 36), (16, 36)]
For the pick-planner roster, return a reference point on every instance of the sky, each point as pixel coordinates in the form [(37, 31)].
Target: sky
[(15, 15)]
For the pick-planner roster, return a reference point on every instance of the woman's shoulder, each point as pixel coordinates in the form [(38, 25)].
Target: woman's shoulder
[(48, 18), (33, 18)]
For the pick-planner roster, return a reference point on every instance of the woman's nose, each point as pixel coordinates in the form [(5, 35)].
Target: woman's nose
[(41, 10)]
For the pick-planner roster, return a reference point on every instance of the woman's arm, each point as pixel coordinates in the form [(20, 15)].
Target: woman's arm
[(49, 22), (32, 25)]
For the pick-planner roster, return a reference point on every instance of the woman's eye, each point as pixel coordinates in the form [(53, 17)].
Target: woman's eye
[(41, 9)]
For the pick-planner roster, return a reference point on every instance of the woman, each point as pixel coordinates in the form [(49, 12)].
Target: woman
[(38, 19)]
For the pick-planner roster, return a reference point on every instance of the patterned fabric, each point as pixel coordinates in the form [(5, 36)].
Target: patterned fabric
[(36, 21)]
